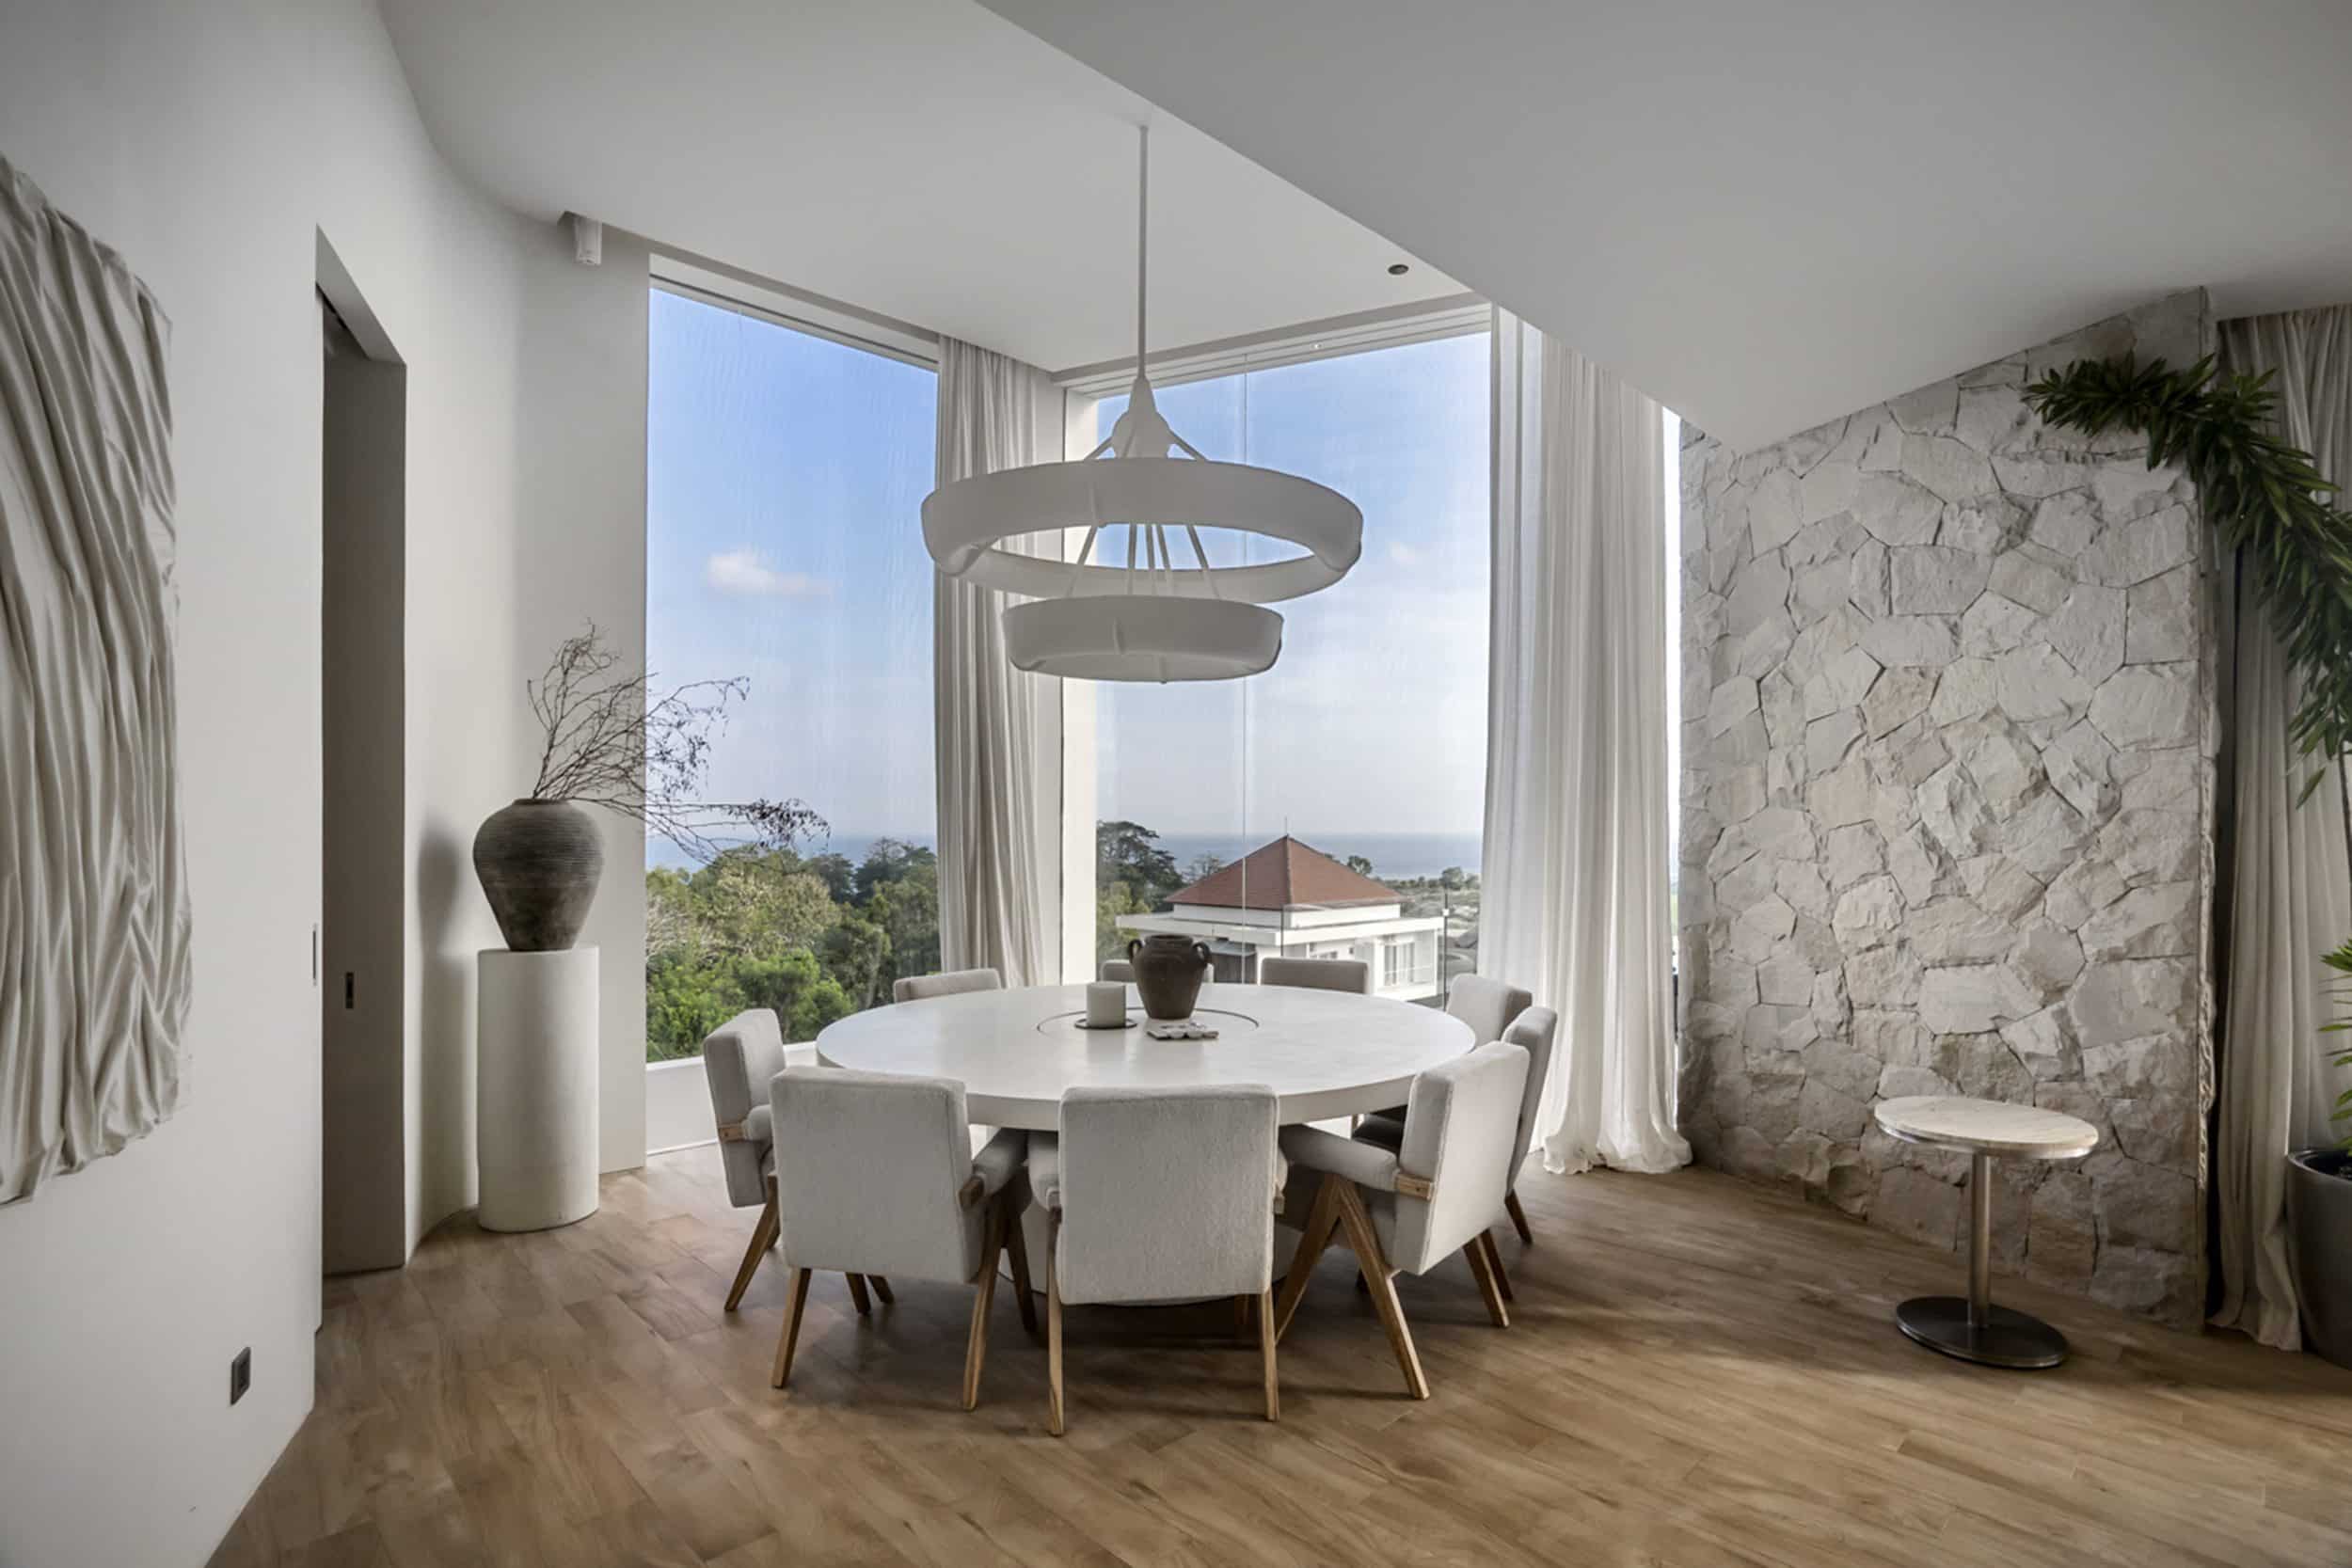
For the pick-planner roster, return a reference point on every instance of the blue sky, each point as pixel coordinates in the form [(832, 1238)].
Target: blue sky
[(784, 478), (1374, 718)]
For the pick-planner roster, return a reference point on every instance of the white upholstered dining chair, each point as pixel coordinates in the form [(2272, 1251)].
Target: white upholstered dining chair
[(1350, 974), (1408, 1211), (1535, 1030), (1486, 1006), (1118, 968), (875, 1176), (916, 988), (738, 1058), (1159, 1194)]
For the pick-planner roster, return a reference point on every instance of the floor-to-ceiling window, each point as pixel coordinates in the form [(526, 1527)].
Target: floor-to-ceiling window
[(1366, 743), (784, 474)]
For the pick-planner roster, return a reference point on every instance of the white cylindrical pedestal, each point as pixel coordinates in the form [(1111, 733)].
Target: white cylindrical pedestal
[(535, 1076)]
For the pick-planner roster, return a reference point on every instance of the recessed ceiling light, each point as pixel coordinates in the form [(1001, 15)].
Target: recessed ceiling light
[(1398, 269)]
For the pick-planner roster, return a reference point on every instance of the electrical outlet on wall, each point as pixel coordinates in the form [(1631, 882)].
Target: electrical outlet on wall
[(240, 1373)]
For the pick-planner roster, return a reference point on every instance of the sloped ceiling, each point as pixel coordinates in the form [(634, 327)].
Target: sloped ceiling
[(925, 159), (1767, 215)]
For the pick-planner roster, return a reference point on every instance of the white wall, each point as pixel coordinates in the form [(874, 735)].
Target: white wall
[(210, 145), (487, 608)]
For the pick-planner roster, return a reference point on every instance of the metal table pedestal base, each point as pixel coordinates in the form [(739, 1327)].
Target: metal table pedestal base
[(1970, 1328), (2007, 1337)]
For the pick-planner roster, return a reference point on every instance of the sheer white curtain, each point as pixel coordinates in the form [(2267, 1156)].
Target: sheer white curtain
[(1574, 889), (993, 901), (2291, 885)]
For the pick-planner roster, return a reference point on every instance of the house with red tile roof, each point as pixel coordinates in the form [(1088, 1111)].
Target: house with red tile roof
[(1289, 899)]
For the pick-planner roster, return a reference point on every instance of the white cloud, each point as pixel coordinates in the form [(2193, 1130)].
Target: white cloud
[(746, 570), (1404, 554)]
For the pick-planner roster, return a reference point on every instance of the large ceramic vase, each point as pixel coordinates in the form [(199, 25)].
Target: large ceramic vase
[(2319, 1244), (1168, 971), (539, 861)]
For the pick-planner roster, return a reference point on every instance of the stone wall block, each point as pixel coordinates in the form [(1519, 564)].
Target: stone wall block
[(1895, 511), (1936, 580), (1775, 512), (2160, 619), (2044, 1044), (2152, 921), (1898, 697), (2088, 631), (2061, 1240), (1913, 865), (1913, 1203), (2066, 522), (1995, 624), (2148, 705)]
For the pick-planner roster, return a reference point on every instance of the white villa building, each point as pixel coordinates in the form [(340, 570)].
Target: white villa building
[(1287, 900)]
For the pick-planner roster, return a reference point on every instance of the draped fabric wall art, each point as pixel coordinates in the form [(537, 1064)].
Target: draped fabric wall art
[(93, 893)]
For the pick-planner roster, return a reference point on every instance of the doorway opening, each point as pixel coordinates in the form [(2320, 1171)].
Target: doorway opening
[(367, 1100)]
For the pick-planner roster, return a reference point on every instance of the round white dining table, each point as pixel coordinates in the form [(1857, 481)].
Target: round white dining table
[(1325, 1053)]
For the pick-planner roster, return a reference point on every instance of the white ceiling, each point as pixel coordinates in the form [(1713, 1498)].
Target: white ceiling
[(920, 158), (1767, 215)]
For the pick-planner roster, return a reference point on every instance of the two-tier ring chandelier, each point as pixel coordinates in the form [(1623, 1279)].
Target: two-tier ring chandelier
[(1148, 619)]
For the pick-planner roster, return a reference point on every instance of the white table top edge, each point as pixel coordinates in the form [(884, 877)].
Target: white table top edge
[(1326, 1053), (1985, 1127)]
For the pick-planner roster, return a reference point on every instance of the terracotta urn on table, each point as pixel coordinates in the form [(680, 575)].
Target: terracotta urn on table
[(1168, 971)]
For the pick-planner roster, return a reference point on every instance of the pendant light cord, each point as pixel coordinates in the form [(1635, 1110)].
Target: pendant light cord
[(1143, 234)]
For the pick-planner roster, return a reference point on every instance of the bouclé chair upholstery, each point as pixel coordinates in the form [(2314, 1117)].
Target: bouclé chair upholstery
[(1409, 1209), (874, 1177), (1158, 1194), (916, 987), (738, 1058)]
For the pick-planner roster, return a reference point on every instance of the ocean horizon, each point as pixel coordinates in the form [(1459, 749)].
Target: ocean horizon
[(1400, 855)]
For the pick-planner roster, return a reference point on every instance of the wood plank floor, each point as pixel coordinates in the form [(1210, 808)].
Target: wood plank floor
[(1699, 1372)]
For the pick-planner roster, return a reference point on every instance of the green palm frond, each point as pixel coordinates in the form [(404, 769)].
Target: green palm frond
[(2263, 495)]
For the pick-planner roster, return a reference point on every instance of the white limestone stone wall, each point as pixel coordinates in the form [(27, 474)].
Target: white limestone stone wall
[(1947, 805)]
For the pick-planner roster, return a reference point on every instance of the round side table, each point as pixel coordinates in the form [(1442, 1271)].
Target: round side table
[(1971, 1327)]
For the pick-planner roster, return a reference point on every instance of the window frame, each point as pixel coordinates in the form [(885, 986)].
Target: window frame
[(1065, 759)]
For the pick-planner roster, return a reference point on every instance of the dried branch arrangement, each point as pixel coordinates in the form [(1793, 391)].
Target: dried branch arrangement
[(613, 742)]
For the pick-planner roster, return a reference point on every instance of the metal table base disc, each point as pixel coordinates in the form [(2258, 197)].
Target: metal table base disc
[(2008, 1339)]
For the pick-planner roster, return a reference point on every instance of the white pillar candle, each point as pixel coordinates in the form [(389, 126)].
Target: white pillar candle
[(1106, 1004)]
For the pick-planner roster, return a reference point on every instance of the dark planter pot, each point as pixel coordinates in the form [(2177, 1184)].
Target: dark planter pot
[(539, 861), (1168, 971), (2319, 1243)]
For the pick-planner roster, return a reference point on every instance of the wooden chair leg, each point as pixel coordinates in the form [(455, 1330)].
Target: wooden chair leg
[(1323, 1217), (791, 1335), (983, 1294), (1024, 1295), (1494, 1260), (1052, 1329), (1381, 1282), (1483, 1269), (857, 1295), (881, 1290), (1266, 1352), (763, 1237), (1519, 1219)]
